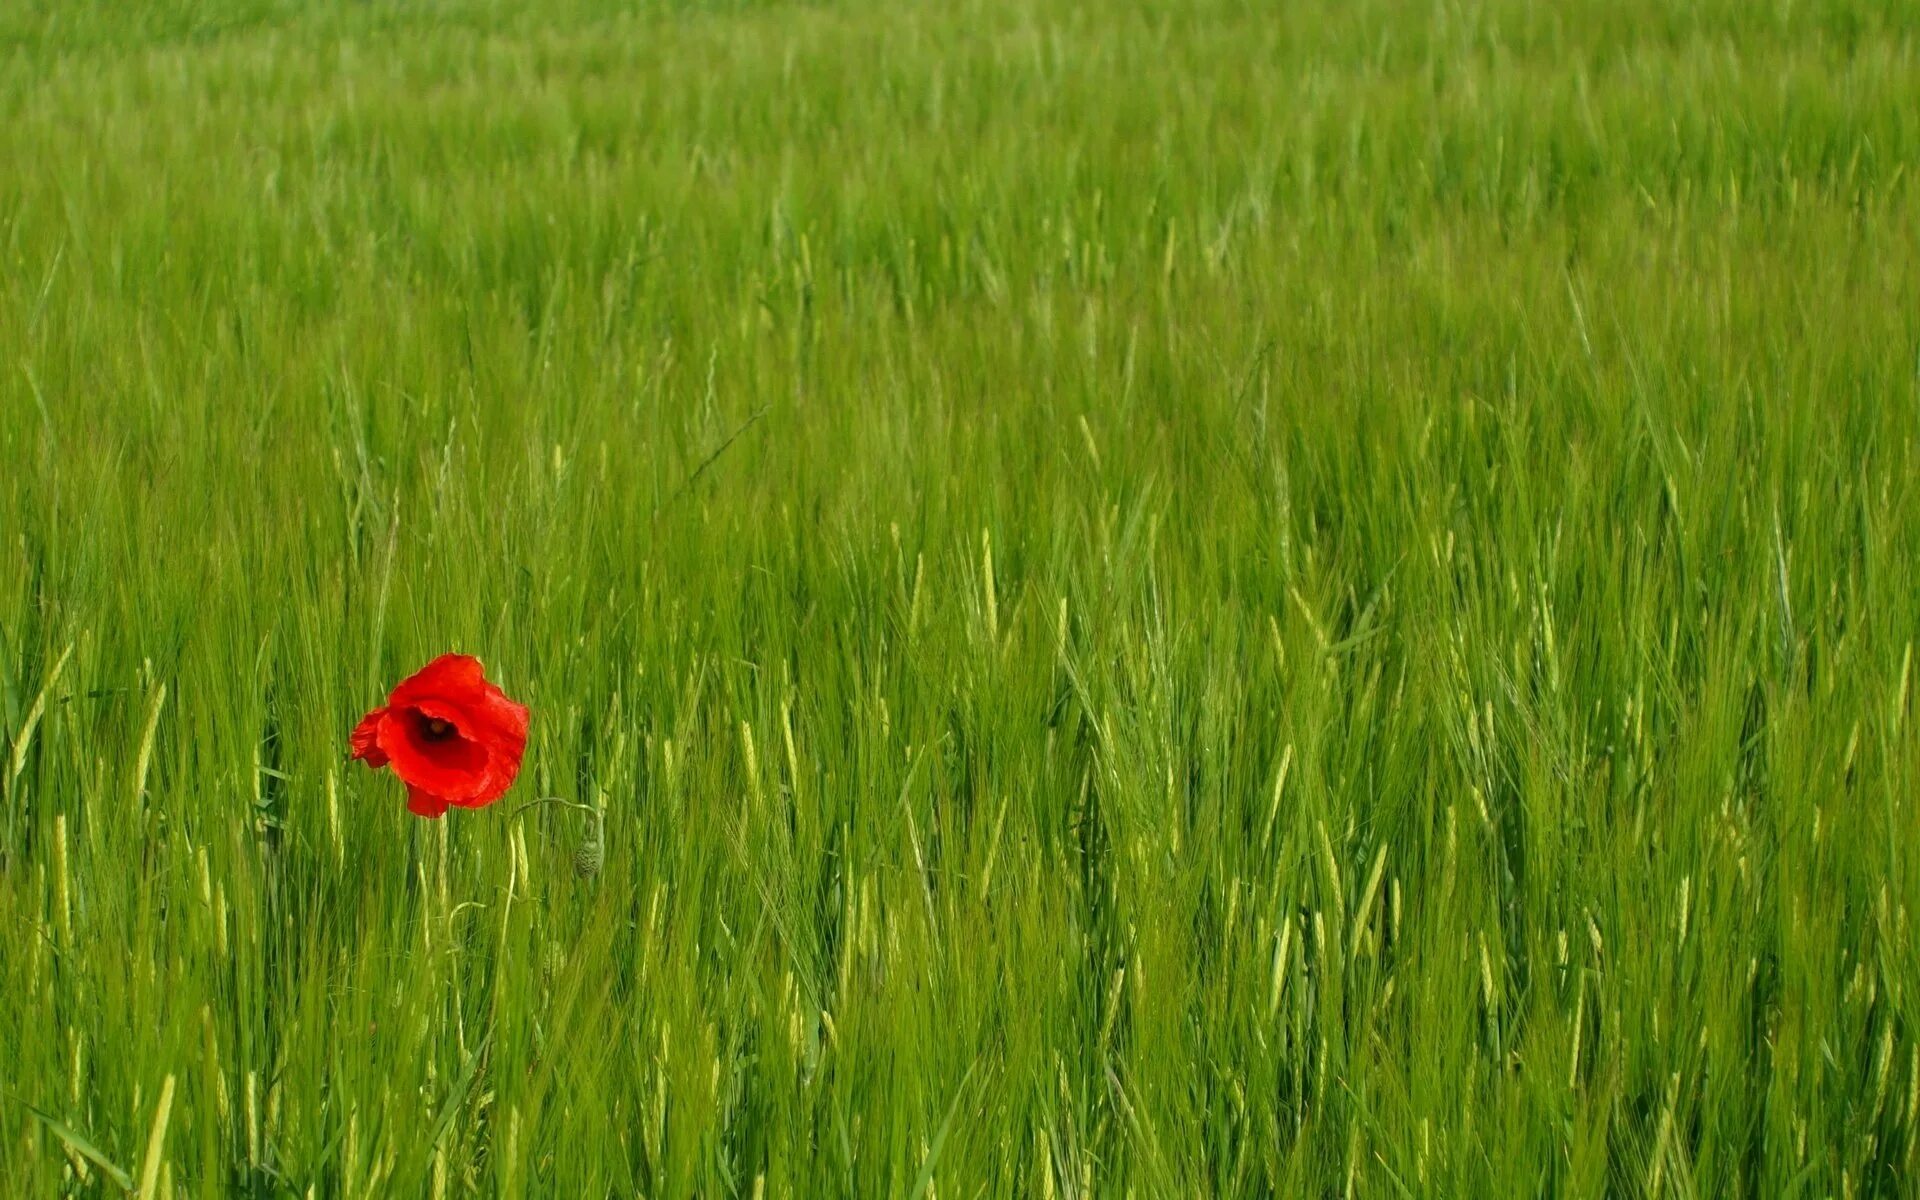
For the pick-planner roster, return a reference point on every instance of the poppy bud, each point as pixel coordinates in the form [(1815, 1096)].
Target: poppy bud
[(592, 852)]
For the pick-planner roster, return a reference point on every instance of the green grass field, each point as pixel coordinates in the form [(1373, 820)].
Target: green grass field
[(1212, 598)]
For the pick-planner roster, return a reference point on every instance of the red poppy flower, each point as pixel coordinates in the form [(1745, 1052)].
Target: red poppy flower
[(454, 738)]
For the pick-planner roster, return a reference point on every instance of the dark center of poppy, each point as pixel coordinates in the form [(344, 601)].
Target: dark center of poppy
[(433, 729)]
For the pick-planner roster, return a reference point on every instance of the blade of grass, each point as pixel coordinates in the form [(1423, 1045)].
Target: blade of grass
[(80, 1144)]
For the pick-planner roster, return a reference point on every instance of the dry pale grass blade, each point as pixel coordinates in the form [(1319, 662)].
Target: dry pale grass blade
[(144, 759), (23, 740), (157, 1143)]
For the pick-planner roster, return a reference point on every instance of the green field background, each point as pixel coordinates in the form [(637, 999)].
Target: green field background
[(1181, 599)]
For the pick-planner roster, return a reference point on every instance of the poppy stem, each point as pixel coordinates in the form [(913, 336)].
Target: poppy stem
[(549, 800)]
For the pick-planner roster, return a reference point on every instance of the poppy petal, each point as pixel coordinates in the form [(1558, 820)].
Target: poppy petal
[(461, 680), (365, 739), (453, 767), (422, 803), (453, 737), (503, 767), (507, 720), (449, 676)]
